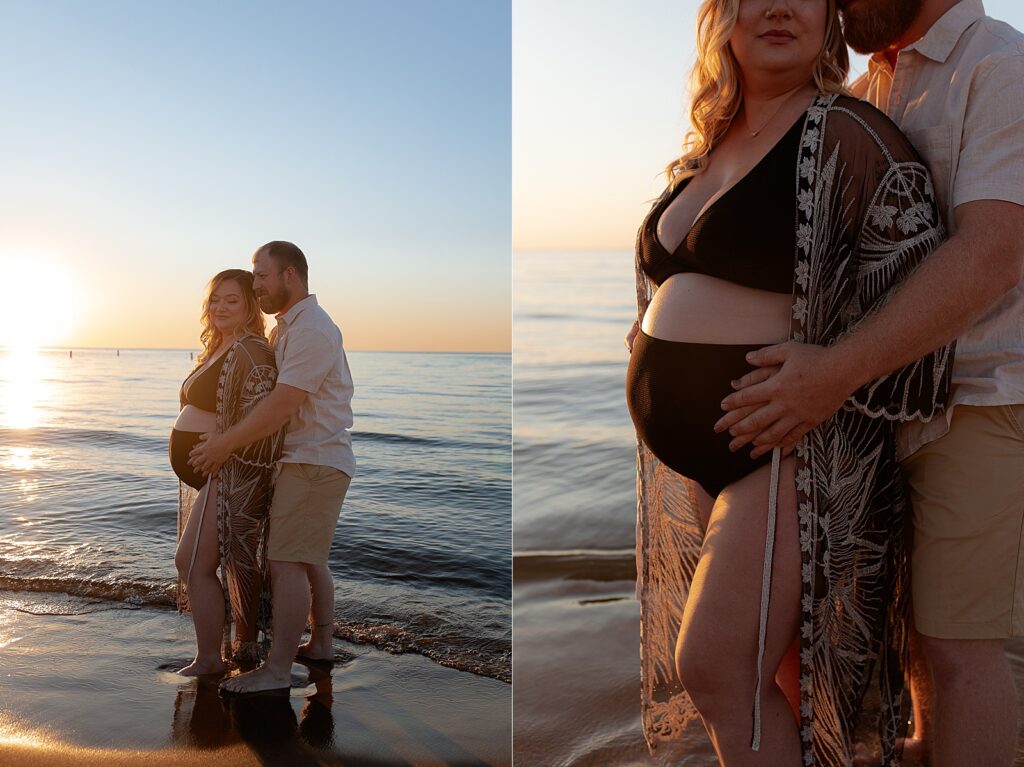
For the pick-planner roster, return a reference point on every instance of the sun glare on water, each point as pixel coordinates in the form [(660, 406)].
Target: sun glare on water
[(39, 310), (24, 389)]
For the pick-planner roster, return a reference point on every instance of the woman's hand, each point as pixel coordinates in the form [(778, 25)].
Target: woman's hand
[(632, 334)]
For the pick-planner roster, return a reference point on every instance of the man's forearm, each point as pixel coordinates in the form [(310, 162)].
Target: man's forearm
[(945, 296), (269, 415)]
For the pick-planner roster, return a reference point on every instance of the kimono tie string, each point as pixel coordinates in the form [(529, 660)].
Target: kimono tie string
[(766, 588)]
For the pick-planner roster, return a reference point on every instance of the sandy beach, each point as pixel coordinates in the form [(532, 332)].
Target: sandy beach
[(85, 681)]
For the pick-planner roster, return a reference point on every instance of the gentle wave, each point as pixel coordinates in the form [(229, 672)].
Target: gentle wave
[(436, 442), (433, 569), (134, 592), (575, 565), (490, 657), (91, 438)]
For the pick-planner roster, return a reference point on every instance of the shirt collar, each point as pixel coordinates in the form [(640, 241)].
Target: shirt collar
[(289, 316), (940, 40)]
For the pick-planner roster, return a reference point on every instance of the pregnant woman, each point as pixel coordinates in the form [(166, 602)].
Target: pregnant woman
[(792, 213), (222, 527)]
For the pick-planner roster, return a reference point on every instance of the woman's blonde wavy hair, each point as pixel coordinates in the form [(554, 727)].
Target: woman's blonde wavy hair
[(253, 324), (715, 81)]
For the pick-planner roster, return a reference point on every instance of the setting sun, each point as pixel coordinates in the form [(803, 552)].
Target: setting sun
[(42, 306)]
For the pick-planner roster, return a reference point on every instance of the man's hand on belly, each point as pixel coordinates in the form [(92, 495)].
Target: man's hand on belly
[(796, 387), (209, 454)]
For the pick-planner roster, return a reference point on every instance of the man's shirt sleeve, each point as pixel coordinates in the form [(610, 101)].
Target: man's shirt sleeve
[(991, 163), (308, 357)]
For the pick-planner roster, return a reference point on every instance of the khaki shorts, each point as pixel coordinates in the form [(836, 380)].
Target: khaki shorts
[(967, 490), (305, 509)]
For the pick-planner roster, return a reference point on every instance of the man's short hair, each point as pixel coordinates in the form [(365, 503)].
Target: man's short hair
[(287, 254)]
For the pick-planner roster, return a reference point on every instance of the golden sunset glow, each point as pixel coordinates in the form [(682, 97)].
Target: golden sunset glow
[(23, 390), (14, 733), (42, 304)]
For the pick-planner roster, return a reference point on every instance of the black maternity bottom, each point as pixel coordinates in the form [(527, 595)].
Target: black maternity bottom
[(674, 391), (179, 447)]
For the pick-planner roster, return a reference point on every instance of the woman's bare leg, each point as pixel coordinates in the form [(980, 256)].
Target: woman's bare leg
[(206, 597), (716, 653)]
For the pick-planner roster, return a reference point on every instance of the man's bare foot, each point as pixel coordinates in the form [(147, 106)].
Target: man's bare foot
[(261, 679), (318, 651), (200, 667)]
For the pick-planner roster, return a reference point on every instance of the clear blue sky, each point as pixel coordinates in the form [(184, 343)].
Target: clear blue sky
[(148, 145)]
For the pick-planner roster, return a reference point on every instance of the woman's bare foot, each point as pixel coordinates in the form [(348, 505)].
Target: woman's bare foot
[(202, 666), (263, 678)]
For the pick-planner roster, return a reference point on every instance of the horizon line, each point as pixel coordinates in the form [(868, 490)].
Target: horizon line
[(196, 349)]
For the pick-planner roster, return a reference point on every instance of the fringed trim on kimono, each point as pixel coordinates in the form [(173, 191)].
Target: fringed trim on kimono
[(866, 218), (244, 492)]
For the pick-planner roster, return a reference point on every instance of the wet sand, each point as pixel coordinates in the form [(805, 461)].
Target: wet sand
[(86, 682), (576, 671)]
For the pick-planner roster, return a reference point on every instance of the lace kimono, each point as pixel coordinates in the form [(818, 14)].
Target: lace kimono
[(866, 218), (244, 491)]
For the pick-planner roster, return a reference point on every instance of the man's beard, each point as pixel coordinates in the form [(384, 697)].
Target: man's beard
[(272, 303), (874, 26)]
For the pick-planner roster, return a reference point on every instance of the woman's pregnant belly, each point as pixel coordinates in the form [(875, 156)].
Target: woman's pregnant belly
[(695, 335), (191, 422), (700, 309), (192, 418)]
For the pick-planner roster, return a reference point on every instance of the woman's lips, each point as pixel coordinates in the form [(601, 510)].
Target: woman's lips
[(778, 36)]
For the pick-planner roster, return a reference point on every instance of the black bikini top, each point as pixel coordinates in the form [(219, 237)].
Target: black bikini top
[(746, 236), (202, 391)]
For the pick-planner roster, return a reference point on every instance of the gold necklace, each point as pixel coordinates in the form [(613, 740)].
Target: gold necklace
[(771, 117)]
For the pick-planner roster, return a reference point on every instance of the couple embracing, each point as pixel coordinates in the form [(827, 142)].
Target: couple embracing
[(864, 489), (264, 436)]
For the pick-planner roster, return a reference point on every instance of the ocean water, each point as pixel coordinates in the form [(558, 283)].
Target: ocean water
[(576, 690), (573, 441), (421, 555)]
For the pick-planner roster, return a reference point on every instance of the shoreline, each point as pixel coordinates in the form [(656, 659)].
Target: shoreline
[(86, 682), (392, 640)]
